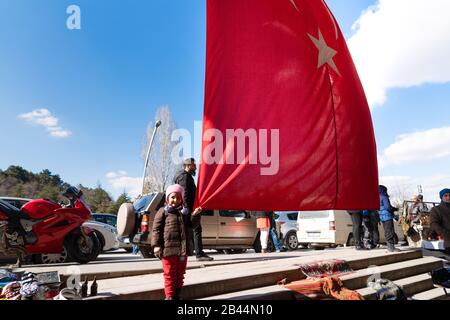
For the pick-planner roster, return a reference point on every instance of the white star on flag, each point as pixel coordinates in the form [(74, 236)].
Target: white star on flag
[(326, 54)]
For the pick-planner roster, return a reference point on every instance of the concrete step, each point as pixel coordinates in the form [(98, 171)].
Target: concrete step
[(411, 269), (392, 271), (433, 294), (102, 270), (411, 285), (276, 292), (219, 280)]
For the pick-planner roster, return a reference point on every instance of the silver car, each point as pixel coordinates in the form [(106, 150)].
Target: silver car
[(233, 231), (111, 219), (287, 225)]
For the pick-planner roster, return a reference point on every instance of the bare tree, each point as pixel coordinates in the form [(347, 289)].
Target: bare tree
[(161, 168), (400, 191)]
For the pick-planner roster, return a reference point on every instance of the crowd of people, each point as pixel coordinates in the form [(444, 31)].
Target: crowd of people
[(177, 231), (366, 222)]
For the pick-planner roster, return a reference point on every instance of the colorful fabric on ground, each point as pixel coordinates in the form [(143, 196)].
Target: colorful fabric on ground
[(334, 287), (325, 268), (323, 288), (11, 291), (6, 276)]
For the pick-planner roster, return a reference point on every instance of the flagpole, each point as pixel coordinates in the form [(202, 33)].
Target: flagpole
[(157, 125)]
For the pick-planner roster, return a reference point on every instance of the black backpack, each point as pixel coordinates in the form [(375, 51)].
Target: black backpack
[(441, 277)]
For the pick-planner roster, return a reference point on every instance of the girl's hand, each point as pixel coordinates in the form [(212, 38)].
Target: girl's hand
[(157, 252), (197, 211)]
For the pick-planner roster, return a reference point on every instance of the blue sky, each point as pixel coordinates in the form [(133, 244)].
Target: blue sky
[(103, 84)]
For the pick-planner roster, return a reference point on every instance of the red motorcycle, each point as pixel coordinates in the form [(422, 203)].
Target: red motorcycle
[(45, 227)]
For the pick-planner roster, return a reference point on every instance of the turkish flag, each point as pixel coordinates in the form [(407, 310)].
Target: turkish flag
[(286, 121)]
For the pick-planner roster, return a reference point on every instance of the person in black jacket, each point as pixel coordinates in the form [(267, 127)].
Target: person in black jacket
[(185, 179), (357, 220)]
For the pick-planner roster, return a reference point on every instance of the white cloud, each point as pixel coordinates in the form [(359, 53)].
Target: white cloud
[(120, 181), (44, 118), (400, 44), (418, 146), (404, 187)]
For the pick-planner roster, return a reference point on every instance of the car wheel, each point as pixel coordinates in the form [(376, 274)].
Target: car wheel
[(146, 252), (351, 240), (50, 258), (291, 241), (126, 220)]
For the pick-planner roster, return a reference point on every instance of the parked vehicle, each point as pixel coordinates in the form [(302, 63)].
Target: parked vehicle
[(106, 233), (331, 228), (16, 202), (42, 228), (107, 218), (233, 231), (287, 222), (111, 219)]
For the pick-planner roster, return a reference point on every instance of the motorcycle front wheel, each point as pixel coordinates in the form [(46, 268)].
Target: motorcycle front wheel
[(83, 249)]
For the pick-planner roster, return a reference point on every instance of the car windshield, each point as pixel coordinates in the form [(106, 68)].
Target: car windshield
[(111, 220), (104, 218), (314, 214), (292, 215), (232, 213), (7, 206), (142, 203)]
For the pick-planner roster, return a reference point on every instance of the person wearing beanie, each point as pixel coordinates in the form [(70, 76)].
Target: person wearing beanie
[(172, 239), (440, 218), (186, 180)]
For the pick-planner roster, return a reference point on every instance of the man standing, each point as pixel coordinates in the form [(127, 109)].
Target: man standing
[(440, 218), (357, 220), (372, 235), (415, 208), (185, 179)]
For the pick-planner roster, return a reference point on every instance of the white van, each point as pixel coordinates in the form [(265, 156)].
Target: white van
[(331, 228)]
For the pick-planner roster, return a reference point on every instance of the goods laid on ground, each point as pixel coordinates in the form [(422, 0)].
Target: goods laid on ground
[(39, 286)]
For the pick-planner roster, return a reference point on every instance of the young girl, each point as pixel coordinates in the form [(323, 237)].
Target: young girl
[(172, 239)]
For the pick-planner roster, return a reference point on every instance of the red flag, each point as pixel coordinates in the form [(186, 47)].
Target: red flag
[(286, 122)]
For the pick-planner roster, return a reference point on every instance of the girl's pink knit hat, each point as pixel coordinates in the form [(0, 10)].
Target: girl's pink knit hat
[(175, 188)]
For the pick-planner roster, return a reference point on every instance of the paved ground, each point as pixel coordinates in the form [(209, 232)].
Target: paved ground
[(118, 260)]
